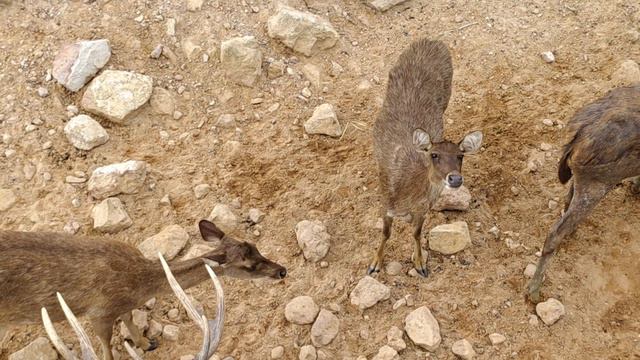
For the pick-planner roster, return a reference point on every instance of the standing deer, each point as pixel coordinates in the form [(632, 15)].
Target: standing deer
[(415, 162), (605, 150), (104, 279)]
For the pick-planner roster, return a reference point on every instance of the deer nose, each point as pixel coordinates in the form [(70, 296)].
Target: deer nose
[(282, 273), (454, 180)]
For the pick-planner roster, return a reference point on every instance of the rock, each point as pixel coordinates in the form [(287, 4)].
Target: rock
[(76, 64), (224, 218), (276, 69), (169, 242), (155, 329), (43, 92), (308, 352), (85, 133), (313, 239), (115, 94), (277, 352), (120, 178), (301, 31), (547, 122), (394, 268), (394, 339), (495, 232), (533, 320), (226, 121), (552, 205), (201, 190), (449, 239), (548, 57), (162, 101), (545, 147), (463, 349), (173, 314), (530, 270), (156, 53), (384, 5), (325, 328), (386, 353), (39, 349), (627, 73), (194, 5), (550, 311), (312, 73), (110, 216), (241, 60), (301, 310), (150, 303), (171, 28), (306, 92), (323, 121), (369, 292), (139, 319), (171, 333), (7, 199), (497, 339), (423, 329), (453, 199), (255, 215), (400, 303)]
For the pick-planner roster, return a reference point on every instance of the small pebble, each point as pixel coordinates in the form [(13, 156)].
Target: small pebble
[(177, 115), (43, 92), (547, 122), (548, 57)]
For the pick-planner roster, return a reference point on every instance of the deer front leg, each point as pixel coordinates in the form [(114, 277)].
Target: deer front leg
[(103, 328), (635, 185), (376, 263), (136, 335), (418, 261)]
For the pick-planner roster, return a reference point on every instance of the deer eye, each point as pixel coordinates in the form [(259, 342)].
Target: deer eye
[(434, 155)]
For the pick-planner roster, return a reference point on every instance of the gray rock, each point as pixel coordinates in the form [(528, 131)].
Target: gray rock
[(302, 31), (7, 199), (530, 270), (550, 311), (548, 57), (423, 329), (139, 319), (308, 352), (394, 339), (255, 215), (627, 73), (276, 69), (162, 101), (39, 349), (119, 178), (226, 121), (463, 349), (324, 121), (43, 92), (168, 242), (301, 310), (497, 339), (386, 353), (241, 60), (277, 352), (449, 238), (325, 328), (201, 190), (85, 133), (76, 64), (224, 218), (110, 216), (155, 329), (313, 239), (369, 292), (384, 5), (115, 94), (453, 199), (394, 268), (171, 333)]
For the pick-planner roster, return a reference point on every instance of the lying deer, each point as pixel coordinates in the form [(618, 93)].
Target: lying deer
[(105, 279), (415, 162), (605, 150)]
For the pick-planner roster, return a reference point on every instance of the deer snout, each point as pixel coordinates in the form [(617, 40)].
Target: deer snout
[(454, 180)]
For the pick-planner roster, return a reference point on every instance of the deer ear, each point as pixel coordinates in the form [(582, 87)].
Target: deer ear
[(471, 142), (210, 232), (421, 139)]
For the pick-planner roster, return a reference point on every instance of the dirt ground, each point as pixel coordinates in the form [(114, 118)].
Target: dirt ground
[(501, 85)]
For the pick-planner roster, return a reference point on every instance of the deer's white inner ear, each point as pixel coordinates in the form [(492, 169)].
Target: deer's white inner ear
[(421, 139), (471, 142)]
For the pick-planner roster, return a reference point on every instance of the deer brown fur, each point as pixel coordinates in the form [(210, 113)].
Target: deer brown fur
[(604, 150), (104, 279), (415, 161)]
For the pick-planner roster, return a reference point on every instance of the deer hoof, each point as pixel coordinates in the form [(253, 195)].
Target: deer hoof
[(372, 269), (153, 344), (423, 272)]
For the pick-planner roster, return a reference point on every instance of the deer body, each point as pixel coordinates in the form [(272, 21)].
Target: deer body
[(604, 150), (414, 160)]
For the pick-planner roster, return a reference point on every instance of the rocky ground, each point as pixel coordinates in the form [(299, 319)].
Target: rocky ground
[(225, 115)]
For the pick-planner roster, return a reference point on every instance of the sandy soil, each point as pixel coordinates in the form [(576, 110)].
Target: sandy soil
[(501, 85)]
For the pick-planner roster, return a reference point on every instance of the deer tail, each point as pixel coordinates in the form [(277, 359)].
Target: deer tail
[(564, 171)]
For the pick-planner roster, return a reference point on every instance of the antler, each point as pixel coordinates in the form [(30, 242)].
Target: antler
[(211, 329)]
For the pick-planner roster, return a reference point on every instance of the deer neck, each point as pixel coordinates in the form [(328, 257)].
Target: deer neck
[(188, 273)]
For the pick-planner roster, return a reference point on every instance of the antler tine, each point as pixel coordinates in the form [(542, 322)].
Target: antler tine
[(217, 324), (55, 339), (193, 313), (85, 344), (132, 353)]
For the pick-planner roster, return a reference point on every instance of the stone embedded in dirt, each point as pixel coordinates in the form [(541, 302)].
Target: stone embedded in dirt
[(548, 57), (201, 190), (255, 215), (369, 292), (449, 239), (313, 74), (550, 311), (308, 352), (224, 218), (394, 339), (241, 60), (325, 328), (39, 349), (43, 92), (115, 94), (156, 52), (386, 353), (119, 178), (545, 146), (533, 320), (495, 232), (530, 270), (324, 121), (168, 242), (7, 199), (301, 310), (85, 133), (276, 69), (277, 352), (463, 349), (453, 199), (497, 339), (226, 121), (110, 216), (194, 5), (400, 303), (313, 239), (384, 5), (139, 319), (173, 314), (627, 73), (171, 333), (75, 64), (394, 268), (162, 101), (302, 31), (423, 329), (155, 329)]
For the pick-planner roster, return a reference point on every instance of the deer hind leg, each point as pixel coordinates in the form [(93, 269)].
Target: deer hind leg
[(418, 261), (136, 335), (376, 263), (585, 198), (103, 328), (569, 197)]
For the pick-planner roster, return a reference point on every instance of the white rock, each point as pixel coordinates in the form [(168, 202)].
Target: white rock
[(394, 339), (39, 349), (301, 310), (530, 270), (76, 64), (423, 329), (324, 121), (548, 57), (201, 190), (449, 239), (224, 218), (325, 328), (110, 216), (369, 292), (384, 5), (547, 122), (277, 352), (453, 199), (171, 333), (308, 352), (463, 349), (394, 268), (169, 242), (194, 5), (7, 199), (313, 239), (171, 27), (255, 215), (241, 60), (119, 178), (162, 101), (226, 121), (139, 319), (386, 353), (545, 146), (627, 73), (497, 339), (43, 92), (550, 311), (302, 31), (155, 329), (85, 133), (115, 94), (400, 303)]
